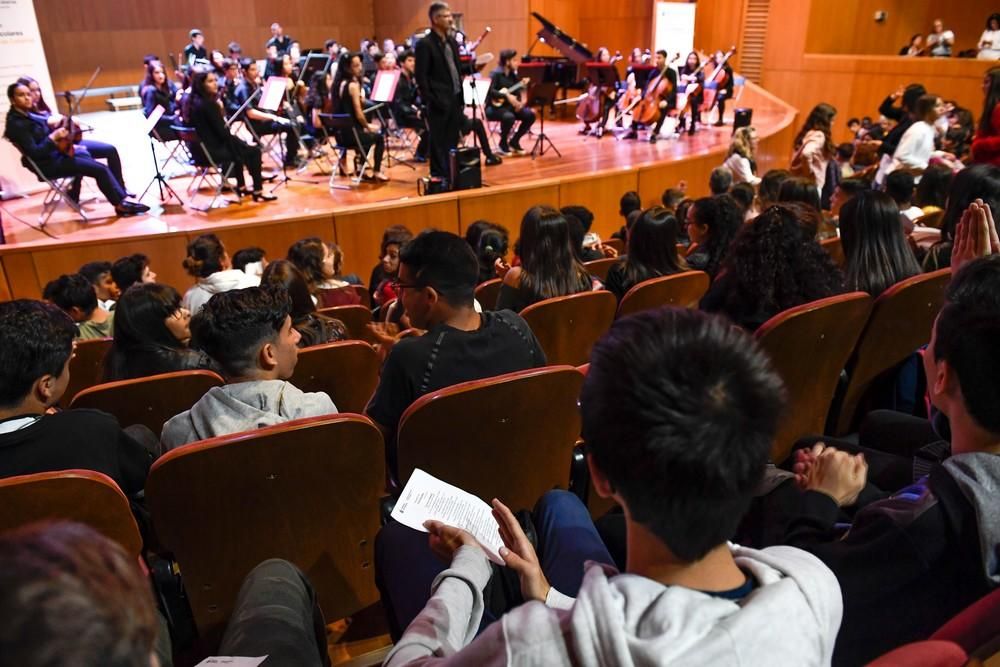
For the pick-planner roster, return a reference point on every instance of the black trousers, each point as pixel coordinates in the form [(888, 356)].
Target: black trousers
[(241, 155), (476, 125), (367, 139), (83, 165), (414, 122), (444, 125), (507, 117), (273, 127)]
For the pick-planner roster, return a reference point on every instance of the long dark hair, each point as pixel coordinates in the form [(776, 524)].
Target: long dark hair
[(774, 265), (721, 214), (307, 256), (140, 327), (549, 265), (198, 96), (343, 75), (990, 103), (41, 106), (652, 246), (314, 327), (820, 118), (151, 67), (875, 248), (934, 186), (980, 181)]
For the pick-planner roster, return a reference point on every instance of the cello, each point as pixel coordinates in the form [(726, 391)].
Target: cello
[(694, 88), (647, 109), (590, 108)]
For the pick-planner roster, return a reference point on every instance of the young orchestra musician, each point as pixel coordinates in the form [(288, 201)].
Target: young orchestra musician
[(49, 149), (663, 90), (506, 106), (202, 110), (724, 82), (347, 88), (158, 90), (691, 74), (264, 122), (406, 106), (279, 40), (195, 52), (600, 99), (228, 85)]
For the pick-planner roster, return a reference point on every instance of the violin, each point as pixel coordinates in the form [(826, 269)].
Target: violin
[(67, 144), (647, 109)]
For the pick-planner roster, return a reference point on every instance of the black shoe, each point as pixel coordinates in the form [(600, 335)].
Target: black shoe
[(631, 135), (515, 148), (691, 129), (127, 208), (585, 130), (493, 160), (262, 196), (718, 123), (653, 138)]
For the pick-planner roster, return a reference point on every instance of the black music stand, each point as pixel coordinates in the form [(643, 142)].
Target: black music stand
[(604, 75), (541, 95), (312, 63)]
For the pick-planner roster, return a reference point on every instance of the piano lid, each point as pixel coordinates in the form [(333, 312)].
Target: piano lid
[(552, 35)]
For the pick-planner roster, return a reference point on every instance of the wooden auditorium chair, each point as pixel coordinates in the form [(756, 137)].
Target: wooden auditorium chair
[(809, 346), (681, 289), (86, 367), (599, 267), (900, 322), (976, 629), (568, 326), (931, 653), (488, 292), (347, 371), (509, 437), (617, 244), (355, 318), (149, 401), (84, 496), (307, 491)]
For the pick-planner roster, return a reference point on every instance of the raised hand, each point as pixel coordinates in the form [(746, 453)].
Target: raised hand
[(519, 555), (975, 235)]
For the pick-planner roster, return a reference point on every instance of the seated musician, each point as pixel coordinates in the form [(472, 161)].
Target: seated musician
[(35, 138), (406, 104), (202, 110), (158, 90), (506, 106), (724, 81), (264, 122), (228, 84), (605, 96), (350, 98), (691, 75), (667, 101), (195, 53)]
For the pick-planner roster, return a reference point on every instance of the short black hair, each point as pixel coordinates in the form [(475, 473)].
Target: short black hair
[(671, 198), (36, 339), (233, 325), (720, 180), (246, 256), (69, 290), (852, 120), (506, 55), (770, 185), (581, 213), (445, 262), (743, 194), (127, 271), (435, 8), (679, 410), (845, 151), (630, 201), (406, 53), (853, 186), (966, 334), (899, 186), (93, 271)]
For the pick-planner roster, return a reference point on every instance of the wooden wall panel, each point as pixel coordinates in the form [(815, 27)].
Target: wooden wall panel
[(505, 206), (22, 281), (718, 24), (359, 231), (600, 194)]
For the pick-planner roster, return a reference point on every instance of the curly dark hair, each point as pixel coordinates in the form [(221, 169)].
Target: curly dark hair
[(233, 325), (774, 265), (204, 256), (307, 256), (36, 339), (723, 217)]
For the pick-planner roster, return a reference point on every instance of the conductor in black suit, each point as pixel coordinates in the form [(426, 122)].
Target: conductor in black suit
[(440, 86)]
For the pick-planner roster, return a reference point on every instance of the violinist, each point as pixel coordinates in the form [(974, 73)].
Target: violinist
[(600, 100), (508, 107), (202, 110), (264, 122), (660, 92), (724, 81), (349, 97), (406, 105), (158, 90), (34, 138), (227, 86), (692, 77)]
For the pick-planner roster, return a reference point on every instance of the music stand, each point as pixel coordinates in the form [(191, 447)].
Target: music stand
[(314, 62), (165, 190), (475, 94), (540, 94), (641, 74), (384, 91)]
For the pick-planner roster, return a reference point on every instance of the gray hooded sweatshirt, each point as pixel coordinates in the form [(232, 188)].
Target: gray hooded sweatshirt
[(978, 476), (243, 406), (790, 618)]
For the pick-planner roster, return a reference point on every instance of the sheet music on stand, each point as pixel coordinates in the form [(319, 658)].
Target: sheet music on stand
[(475, 91), (384, 88), (153, 118), (273, 95)]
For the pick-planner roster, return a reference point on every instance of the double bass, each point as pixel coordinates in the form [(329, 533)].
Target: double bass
[(647, 109)]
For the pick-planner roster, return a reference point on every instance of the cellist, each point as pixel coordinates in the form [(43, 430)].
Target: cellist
[(599, 102), (723, 80), (661, 91), (692, 76)]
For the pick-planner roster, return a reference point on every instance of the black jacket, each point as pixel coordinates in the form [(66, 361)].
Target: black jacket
[(30, 133), (432, 74), (206, 118)]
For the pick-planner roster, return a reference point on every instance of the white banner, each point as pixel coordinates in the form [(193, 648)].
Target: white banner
[(21, 53), (673, 28)]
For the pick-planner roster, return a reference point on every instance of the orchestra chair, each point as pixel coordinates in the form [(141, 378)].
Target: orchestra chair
[(149, 401), (86, 367), (83, 496), (683, 289), (976, 628), (177, 152), (488, 292), (307, 491), (900, 323), (599, 267), (809, 345), (207, 169), (509, 437), (356, 318), (337, 126), (931, 653), (617, 244), (835, 248), (568, 326), (57, 193), (347, 371)]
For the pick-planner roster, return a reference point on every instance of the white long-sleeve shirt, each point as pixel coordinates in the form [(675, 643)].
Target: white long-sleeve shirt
[(740, 168), (915, 147), (812, 155)]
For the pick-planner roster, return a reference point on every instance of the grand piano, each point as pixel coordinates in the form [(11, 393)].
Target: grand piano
[(566, 71)]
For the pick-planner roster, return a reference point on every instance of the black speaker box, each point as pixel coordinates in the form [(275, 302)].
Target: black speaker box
[(465, 170), (742, 116)]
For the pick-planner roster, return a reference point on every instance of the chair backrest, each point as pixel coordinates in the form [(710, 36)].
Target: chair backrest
[(84, 496), (363, 294), (568, 326), (488, 292), (347, 371), (86, 367), (509, 437), (809, 346), (355, 318), (186, 134), (333, 122), (976, 628), (835, 248), (931, 653), (307, 491), (149, 401), (599, 267), (194, 144), (617, 244), (681, 289), (900, 322)]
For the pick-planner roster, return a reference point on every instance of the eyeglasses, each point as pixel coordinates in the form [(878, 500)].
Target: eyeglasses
[(397, 286)]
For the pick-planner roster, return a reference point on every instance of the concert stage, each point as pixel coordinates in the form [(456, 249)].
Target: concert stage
[(591, 172)]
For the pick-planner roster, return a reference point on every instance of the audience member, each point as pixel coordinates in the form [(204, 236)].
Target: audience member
[(743, 194), (940, 40), (36, 343), (131, 269), (76, 296), (712, 224), (720, 180), (652, 252), (989, 41), (629, 202), (549, 263), (672, 198), (313, 327), (742, 154), (588, 247), (877, 254), (899, 186), (813, 146), (151, 335), (917, 143), (679, 410), (437, 277), (986, 144), (208, 263), (770, 186), (846, 190), (798, 189), (903, 117), (251, 261), (249, 333), (99, 275), (915, 47), (318, 263), (385, 272), (491, 252), (981, 181), (932, 191), (845, 153)]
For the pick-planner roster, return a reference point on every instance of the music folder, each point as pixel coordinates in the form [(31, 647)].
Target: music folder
[(384, 88), (152, 119), (475, 91), (273, 94)]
